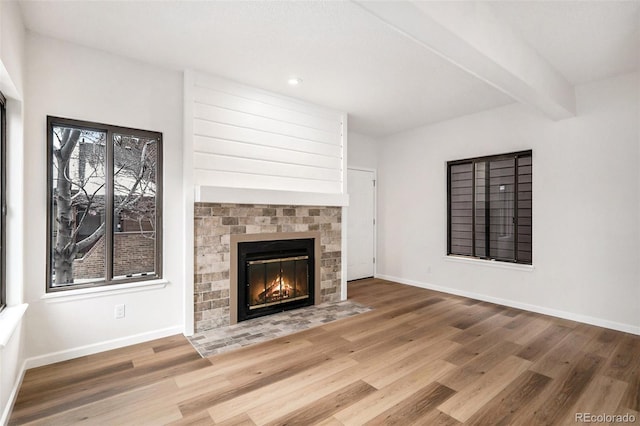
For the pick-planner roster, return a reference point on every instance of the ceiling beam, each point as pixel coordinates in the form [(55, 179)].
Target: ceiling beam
[(470, 36)]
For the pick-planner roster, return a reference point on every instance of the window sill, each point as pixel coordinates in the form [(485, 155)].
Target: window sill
[(92, 292), (490, 263), (10, 317)]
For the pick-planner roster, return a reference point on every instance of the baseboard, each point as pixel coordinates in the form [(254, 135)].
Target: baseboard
[(6, 412), (600, 322), (67, 354)]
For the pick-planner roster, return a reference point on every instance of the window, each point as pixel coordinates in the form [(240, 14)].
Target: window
[(105, 199), (489, 207), (3, 202)]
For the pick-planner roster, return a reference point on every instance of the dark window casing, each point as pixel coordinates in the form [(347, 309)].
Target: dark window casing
[(489, 207), (109, 200)]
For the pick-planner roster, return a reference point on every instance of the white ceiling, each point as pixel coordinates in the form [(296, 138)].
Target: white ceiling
[(348, 59)]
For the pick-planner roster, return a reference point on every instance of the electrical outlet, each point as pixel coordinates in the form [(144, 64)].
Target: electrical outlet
[(118, 312)]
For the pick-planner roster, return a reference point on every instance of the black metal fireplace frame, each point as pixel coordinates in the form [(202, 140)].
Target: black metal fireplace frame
[(273, 249)]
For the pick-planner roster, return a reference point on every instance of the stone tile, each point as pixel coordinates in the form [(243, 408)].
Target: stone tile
[(230, 337)]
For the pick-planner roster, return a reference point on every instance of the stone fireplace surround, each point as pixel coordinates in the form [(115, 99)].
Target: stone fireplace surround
[(218, 227)]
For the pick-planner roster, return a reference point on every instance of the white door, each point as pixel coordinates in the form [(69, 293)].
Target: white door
[(360, 224)]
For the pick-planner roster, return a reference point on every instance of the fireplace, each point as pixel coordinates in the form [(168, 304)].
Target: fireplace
[(220, 228), (274, 276)]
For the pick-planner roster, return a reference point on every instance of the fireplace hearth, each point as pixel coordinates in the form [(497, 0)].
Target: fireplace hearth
[(274, 276)]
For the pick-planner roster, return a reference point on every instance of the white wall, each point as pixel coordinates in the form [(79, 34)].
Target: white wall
[(12, 335), (362, 151), (66, 80), (586, 202), (244, 137)]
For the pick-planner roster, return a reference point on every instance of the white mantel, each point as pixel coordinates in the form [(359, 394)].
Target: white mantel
[(217, 194)]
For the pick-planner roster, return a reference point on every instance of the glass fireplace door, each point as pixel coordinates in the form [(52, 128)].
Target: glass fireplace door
[(275, 281)]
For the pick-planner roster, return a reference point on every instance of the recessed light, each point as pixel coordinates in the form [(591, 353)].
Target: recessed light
[(294, 81)]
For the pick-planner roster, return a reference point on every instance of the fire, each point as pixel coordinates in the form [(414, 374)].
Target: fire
[(277, 290)]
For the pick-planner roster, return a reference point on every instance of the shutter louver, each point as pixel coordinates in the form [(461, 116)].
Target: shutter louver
[(501, 209), (461, 209), (524, 209)]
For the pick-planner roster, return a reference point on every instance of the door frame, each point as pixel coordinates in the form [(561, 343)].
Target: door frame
[(375, 216)]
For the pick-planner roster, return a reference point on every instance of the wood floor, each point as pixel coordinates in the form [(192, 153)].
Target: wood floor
[(420, 357)]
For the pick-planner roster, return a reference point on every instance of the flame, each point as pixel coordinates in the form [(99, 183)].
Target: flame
[(278, 289)]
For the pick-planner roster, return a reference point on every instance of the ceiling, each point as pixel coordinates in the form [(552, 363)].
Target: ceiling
[(348, 59)]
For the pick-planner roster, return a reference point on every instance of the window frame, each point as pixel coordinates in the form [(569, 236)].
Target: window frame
[(486, 159), (3, 202), (109, 130)]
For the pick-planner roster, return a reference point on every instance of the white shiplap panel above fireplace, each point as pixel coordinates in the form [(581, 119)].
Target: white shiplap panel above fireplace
[(249, 139)]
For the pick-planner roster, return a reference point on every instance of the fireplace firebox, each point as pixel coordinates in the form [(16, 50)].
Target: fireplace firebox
[(274, 276)]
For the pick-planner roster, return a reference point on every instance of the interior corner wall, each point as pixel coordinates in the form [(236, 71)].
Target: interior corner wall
[(68, 80), (362, 151), (586, 207), (12, 68)]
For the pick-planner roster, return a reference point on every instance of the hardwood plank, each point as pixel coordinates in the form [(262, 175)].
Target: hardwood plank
[(466, 374), (295, 384), (391, 372), (226, 364), (523, 334), (477, 346), (329, 421), (604, 343), (626, 358), (396, 348), (434, 313), (388, 323), (543, 342), (566, 391), (481, 328), (437, 418), (561, 357), (170, 352), (470, 399), (520, 321), (281, 372), (511, 312), (476, 314), (631, 398), (325, 406), (292, 401), (240, 420), (602, 395), (411, 409), (504, 407), (199, 419), (393, 394)]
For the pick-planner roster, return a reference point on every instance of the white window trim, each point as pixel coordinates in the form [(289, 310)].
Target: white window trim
[(10, 318), (489, 263), (101, 291)]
